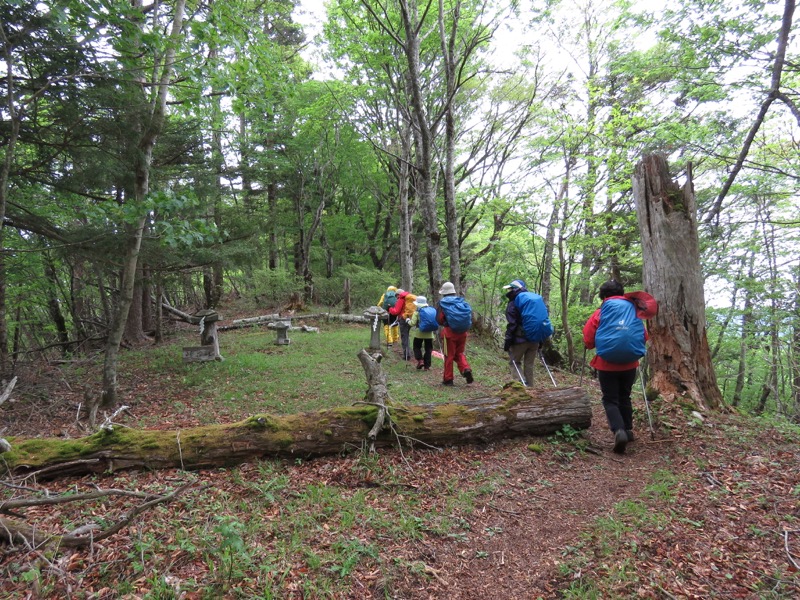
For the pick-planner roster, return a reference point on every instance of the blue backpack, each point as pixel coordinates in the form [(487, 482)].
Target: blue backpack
[(427, 319), (535, 321), (457, 313), (620, 335)]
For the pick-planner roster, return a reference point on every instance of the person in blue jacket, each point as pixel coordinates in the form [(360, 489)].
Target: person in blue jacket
[(521, 353)]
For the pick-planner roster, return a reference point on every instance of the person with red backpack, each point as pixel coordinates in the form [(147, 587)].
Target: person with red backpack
[(402, 311), (455, 316), (619, 336)]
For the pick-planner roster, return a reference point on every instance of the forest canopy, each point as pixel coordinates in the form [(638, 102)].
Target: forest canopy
[(182, 151)]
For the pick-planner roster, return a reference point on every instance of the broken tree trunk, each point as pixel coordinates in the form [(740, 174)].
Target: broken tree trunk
[(517, 411), (679, 354)]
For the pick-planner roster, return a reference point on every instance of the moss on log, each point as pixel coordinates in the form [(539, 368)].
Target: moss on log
[(517, 411)]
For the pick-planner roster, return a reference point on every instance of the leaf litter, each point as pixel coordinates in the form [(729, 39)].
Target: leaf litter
[(702, 511)]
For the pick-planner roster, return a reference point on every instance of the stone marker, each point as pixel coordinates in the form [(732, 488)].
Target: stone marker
[(209, 342), (282, 327), (375, 314)]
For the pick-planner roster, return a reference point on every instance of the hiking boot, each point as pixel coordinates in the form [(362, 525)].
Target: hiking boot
[(620, 441), (447, 382), (629, 433), (420, 364), (468, 376)]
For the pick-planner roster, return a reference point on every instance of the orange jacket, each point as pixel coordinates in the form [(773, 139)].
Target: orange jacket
[(405, 306)]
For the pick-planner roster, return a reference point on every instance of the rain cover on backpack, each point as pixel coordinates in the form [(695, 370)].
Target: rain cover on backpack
[(620, 334), (535, 321), (427, 319), (457, 313)]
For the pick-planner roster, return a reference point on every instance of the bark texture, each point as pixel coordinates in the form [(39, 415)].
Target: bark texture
[(679, 353), (516, 412)]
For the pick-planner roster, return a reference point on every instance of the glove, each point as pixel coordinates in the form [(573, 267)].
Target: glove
[(507, 346), (408, 322)]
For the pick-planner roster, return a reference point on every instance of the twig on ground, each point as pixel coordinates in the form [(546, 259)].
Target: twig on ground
[(711, 479), (65, 498), (788, 552), (502, 510), (33, 537), (108, 424)]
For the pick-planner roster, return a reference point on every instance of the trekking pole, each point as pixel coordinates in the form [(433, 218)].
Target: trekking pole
[(407, 347), (647, 404), (541, 355), (583, 367), (513, 362)]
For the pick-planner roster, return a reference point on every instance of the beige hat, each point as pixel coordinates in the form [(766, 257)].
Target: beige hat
[(447, 288)]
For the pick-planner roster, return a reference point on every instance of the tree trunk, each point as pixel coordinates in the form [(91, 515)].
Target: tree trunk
[(424, 134), (54, 303), (108, 398), (213, 275), (151, 129), (679, 353), (403, 170), (12, 121), (450, 210), (159, 313), (746, 333), (517, 412), (134, 324), (794, 351), (79, 305)]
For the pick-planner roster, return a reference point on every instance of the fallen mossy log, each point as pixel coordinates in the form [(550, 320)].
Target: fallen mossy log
[(517, 411)]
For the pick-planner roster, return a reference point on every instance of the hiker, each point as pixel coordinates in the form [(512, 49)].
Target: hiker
[(402, 311), (620, 341), (527, 326), (423, 327), (387, 301), (455, 316)]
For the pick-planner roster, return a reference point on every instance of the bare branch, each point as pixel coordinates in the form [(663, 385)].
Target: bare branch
[(773, 94)]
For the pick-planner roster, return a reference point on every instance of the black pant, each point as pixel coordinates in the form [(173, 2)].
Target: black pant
[(426, 360), (405, 329), (616, 387)]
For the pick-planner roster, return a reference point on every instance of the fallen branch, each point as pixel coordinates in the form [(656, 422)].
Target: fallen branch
[(16, 503), (178, 313), (7, 392), (377, 393), (12, 531), (788, 552), (270, 320)]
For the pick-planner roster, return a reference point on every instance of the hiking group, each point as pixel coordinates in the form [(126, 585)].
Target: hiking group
[(415, 318), (615, 330)]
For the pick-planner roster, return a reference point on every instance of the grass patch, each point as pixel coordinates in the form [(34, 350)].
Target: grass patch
[(315, 371), (616, 536)]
